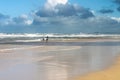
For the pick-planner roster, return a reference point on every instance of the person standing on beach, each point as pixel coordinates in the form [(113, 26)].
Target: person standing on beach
[(43, 39), (47, 39)]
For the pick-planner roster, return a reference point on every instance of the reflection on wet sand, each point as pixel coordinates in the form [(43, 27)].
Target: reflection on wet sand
[(53, 62)]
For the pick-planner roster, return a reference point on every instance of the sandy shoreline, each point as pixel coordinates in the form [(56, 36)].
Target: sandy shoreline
[(51, 62), (111, 73)]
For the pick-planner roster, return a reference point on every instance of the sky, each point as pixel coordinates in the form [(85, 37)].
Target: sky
[(60, 16)]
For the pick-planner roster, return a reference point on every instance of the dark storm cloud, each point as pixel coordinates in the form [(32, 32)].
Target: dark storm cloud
[(105, 11)]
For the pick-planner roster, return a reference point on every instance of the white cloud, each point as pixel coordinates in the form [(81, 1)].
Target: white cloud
[(24, 16), (28, 22), (50, 4), (115, 18), (20, 20), (26, 19)]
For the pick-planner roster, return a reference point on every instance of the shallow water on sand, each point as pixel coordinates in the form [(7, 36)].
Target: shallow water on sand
[(25, 62)]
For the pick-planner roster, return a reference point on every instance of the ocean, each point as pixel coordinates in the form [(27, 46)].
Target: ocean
[(61, 39)]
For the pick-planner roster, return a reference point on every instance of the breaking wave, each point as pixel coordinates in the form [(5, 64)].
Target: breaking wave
[(38, 36)]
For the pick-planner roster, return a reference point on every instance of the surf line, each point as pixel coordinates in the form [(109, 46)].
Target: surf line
[(10, 49)]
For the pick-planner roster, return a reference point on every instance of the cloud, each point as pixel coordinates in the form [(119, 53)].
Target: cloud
[(105, 11), (117, 2), (2, 16), (23, 19), (20, 20), (73, 10), (60, 16), (65, 10), (116, 19), (73, 18), (4, 19), (45, 13), (118, 8), (50, 4), (74, 24)]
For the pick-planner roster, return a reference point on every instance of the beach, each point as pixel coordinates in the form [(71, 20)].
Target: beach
[(59, 39), (111, 73), (60, 60)]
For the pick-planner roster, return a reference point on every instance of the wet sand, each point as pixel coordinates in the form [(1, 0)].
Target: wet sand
[(111, 73), (51, 62)]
